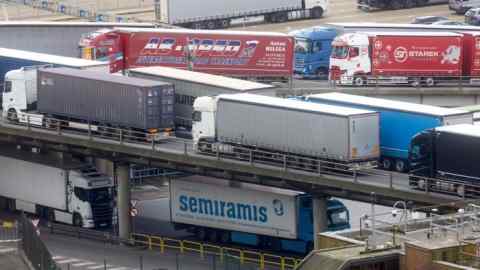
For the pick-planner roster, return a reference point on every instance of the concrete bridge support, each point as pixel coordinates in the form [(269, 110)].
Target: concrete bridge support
[(320, 222)]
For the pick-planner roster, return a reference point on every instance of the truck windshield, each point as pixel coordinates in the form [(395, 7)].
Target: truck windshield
[(339, 52), (7, 86), (338, 217), (99, 195), (418, 147), (302, 45), (101, 54)]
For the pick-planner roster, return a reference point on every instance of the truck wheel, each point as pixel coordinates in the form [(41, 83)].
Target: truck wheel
[(396, 4), (77, 220), (359, 81), (12, 115), (415, 82), (225, 23), (211, 25), (201, 234), (430, 81), (281, 17), (316, 12), (400, 166), (387, 164), (198, 25), (225, 237)]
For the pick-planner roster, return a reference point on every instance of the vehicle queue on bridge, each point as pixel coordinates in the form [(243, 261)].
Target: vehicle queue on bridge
[(332, 133)]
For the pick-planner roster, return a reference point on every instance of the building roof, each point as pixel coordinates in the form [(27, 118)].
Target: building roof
[(294, 104), (99, 76), (202, 78), (462, 129), (387, 104), (50, 58)]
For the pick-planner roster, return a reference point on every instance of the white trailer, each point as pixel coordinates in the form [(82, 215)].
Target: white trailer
[(213, 14), (285, 126), (82, 197)]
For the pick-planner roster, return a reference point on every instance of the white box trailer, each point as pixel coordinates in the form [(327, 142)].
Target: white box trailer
[(217, 13), (289, 126), (244, 209), (81, 197)]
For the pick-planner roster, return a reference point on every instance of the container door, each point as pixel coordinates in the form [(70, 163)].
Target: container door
[(364, 137)]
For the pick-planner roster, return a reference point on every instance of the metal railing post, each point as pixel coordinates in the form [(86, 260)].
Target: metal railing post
[(250, 158), (59, 130), (426, 185), (319, 163), (391, 180), (89, 130), (121, 136), (153, 145), (355, 178), (28, 122), (218, 154), (185, 152), (284, 162)]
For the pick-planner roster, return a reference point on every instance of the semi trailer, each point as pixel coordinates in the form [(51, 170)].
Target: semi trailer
[(447, 153), (249, 214), (215, 14), (261, 55), (399, 122), (81, 99), (76, 194), (232, 123), (411, 58), (190, 84)]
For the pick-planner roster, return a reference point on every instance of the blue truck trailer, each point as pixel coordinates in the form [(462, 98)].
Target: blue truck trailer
[(313, 46), (399, 122), (248, 214)]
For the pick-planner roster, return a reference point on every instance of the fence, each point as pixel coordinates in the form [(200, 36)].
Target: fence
[(8, 231), (35, 250)]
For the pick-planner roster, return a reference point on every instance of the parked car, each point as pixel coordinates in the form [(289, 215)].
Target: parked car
[(428, 19), (472, 16), (462, 6), (448, 22)]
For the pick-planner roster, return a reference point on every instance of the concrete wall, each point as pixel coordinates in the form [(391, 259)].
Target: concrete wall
[(328, 240)]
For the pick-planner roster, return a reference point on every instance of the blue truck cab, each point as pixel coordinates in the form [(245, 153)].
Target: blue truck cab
[(399, 122), (312, 51), (338, 218)]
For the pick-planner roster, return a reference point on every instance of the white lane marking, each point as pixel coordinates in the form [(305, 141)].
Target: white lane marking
[(83, 264), (56, 258), (7, 250), (119, 268), (98, 267), (68, 261)]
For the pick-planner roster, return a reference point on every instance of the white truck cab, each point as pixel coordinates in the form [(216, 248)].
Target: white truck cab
[(90, 196), (203, 126), (20, 91), (350, 59)]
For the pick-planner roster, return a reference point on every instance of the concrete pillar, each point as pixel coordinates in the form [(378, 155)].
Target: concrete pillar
[(105, 166), (320, 222), (123, 202)]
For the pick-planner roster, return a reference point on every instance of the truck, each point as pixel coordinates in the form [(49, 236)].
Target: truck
[(411, 58), (312, 51), (262, 55), (249, 214), (447, 153), (369, 5), (73, 193), (399, 122), (83, 99), (214, 14), (191, 84), (462, 6), (230, 124)]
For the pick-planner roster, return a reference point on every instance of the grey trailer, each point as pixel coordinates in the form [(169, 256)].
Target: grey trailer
[(297, 127), (190, 84), (105, 99)]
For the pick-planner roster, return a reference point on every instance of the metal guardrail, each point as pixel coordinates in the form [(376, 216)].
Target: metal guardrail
[(244, 256), (321, 165)]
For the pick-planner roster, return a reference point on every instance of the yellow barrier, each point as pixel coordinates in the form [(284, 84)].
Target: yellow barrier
[(244, 256), (8, 224)]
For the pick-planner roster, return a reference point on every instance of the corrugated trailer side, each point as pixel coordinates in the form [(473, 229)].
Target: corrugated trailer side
[(293, 126), (105, 98)]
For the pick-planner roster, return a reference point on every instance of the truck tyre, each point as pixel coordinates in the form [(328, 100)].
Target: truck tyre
[(211, 25), (281, 17), (400, 166), (396, 4), (430, 81), (201, 233), (225, 237), (387, 164), (359, 81), (77, 220), (225, 23), (12, 115), (316, 12), (198, 25), (415, 82)]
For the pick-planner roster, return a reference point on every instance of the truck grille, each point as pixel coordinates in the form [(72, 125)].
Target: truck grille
[(102, 214), (299, 63)]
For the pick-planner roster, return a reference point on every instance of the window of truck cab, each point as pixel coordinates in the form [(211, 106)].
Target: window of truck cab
[(339, 52), (7, 88), (302, 45)]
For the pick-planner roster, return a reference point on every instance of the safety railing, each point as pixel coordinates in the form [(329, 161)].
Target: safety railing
[(357, 171), (9, 231), (263, 260), (414, 81)]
